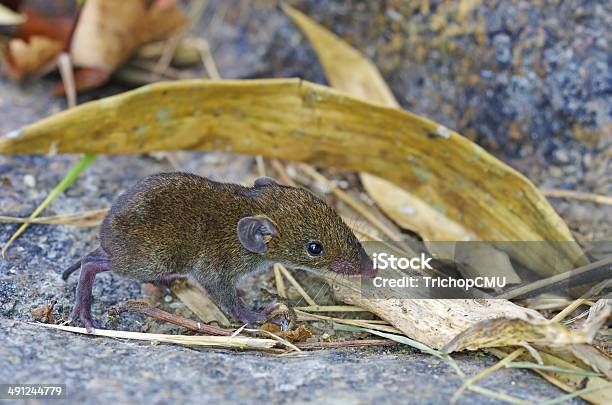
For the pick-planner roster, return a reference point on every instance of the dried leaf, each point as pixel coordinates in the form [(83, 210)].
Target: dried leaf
[(598, 315), (27, 57), (224, 342), (10, 18), (44, 313), (425, 208), (297, 120), (567, 381), (299, 334), (435, 322), (36, 43), (109, 31), (40, 24), (509, 332)]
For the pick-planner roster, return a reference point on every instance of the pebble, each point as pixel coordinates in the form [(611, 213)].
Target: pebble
[(29, 180)]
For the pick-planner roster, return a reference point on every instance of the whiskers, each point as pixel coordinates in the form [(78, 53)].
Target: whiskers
[(331, 279)]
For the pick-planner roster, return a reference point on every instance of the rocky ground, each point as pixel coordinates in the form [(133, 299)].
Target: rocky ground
[(99, 370)]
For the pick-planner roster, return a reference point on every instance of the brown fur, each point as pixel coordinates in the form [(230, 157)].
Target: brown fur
[(184, 224)]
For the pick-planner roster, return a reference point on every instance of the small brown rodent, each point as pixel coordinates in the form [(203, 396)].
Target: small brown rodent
[(174, 225)]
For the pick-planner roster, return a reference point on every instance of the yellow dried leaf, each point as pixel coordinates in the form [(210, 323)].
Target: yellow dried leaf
[(10, 18), (296, 120), (31, 56), (510, 332), (109, 31), (423, 209)]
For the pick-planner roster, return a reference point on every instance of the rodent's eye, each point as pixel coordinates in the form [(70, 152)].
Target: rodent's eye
[(315, 249)]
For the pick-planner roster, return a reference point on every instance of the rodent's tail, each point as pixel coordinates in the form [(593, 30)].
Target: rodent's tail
[(71, 270)]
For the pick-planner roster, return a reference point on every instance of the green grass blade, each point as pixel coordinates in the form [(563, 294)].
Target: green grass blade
[(530, 365), (66, 182), (410, 342)]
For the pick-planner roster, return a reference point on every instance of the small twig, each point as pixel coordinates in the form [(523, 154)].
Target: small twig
[(208, 61), (554, 369), (469, 383), (65, 67), (86, 218), (261, 167), (532, 351), (580, 301), (280, 284), (575, 394), (156, 313), (168, 53), (239, 330), (332, 308), (577, 317), (346, 343), (226, 342), (498, 395), (282, 173), (352, 322), (594, 271), (296, 285), (275, 337), (577, 195)]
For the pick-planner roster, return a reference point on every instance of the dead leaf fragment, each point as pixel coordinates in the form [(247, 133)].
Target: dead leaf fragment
[(109, 31), (296, 120), (511, 332), (598, 315), (26, 57), (297, 335), (10, 18), (44, 313)]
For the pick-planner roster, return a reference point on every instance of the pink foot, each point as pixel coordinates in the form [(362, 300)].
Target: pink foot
[(84, 315)]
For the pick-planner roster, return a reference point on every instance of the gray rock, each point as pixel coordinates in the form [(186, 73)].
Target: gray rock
[(101, 370)]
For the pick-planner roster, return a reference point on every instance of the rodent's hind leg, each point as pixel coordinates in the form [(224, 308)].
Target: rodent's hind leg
[(84, 295), (97, 255)]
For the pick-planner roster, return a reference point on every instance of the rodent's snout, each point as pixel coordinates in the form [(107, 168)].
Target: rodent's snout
[(363, 267), (366, 266)]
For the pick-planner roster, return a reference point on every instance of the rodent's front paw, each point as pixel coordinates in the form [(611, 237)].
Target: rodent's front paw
[(271, 308), (251, 318), (279, 314)]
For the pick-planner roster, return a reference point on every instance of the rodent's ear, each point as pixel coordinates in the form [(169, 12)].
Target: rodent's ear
[(265, 181), (254, 233)]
